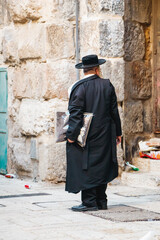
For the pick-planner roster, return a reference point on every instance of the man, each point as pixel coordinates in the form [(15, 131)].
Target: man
[(89, 169)]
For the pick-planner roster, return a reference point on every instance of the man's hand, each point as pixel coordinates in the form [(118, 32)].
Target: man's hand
[(118, 139), (70, 141)]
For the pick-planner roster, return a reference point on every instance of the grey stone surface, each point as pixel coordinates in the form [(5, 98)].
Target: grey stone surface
[(133, 117), (134, 41), (112, 6), (141, 80), (141, 10), (111, 38)]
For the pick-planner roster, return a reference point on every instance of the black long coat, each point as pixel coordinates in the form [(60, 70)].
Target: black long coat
[(96, 164)]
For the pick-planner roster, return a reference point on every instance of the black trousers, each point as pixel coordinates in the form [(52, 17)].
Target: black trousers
[(94, 196)]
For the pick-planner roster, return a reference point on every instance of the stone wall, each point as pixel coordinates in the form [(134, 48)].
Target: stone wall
[(37, 45), (138, 106)]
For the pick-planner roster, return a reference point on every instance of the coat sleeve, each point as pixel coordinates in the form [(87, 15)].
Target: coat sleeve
[(76, 110), (114, 112)]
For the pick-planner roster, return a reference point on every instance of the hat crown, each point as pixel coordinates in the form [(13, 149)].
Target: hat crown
[(90, 59)]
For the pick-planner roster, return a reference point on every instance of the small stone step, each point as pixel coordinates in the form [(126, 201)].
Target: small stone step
[(147, 164), (141, 179)]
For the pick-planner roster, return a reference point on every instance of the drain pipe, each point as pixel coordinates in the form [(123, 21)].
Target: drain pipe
[(77, 37)]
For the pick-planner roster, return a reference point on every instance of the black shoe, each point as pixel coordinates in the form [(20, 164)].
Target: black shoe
[(102, 206), (83, 208)]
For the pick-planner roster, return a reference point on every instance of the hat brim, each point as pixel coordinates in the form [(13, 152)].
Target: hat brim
[(81, 66)]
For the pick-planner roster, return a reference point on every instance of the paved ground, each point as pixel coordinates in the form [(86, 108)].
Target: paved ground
[(24, 215)]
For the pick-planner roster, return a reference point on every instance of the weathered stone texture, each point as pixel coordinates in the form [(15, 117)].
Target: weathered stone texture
[(111, 38), (28, 80), (42, 80), (36, 117), (141, 10), (52, 157), (4, 15), (114, 70), (60, 39), (60, 75), (89, 42), (112, 6), (32, 45), (133, 117), (10, 45), (19, 154), (63, 9), (24, 10), (134, 41), (141, 80)]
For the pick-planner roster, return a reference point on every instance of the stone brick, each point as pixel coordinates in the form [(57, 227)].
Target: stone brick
[(60, 75), (60, 41), (36, 117), (28, 80), (134, 41), (31, 47), (4, 15), (10, 45), (19, 156), (114, 70), (133, 117), (89, 41), (24, 10), (112, 6), (65, 9), (92, 6), (137, 13), (52, 159), (141, 80), (111, 38)]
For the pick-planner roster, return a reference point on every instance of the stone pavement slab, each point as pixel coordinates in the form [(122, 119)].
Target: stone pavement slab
[(37, 217)]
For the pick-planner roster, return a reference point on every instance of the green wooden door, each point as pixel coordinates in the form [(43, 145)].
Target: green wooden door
[(3, 120)]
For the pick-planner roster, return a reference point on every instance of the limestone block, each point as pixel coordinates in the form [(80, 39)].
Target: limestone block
[(141, 80), (89, 33), (1, 40), (60, 75), (112, 6), (33, 44), (111, 38), (148, 117), (28, 80), (64, 9), (24, 10), (36, 117), (134, 41), (137, 13), (52, 159), (4, 15), (114, 70), (133, 117), (19, 155), (92, 6), (10, 46), (60, 41)]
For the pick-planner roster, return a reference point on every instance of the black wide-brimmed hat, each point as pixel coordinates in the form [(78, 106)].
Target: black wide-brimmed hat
[(90, 61)]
